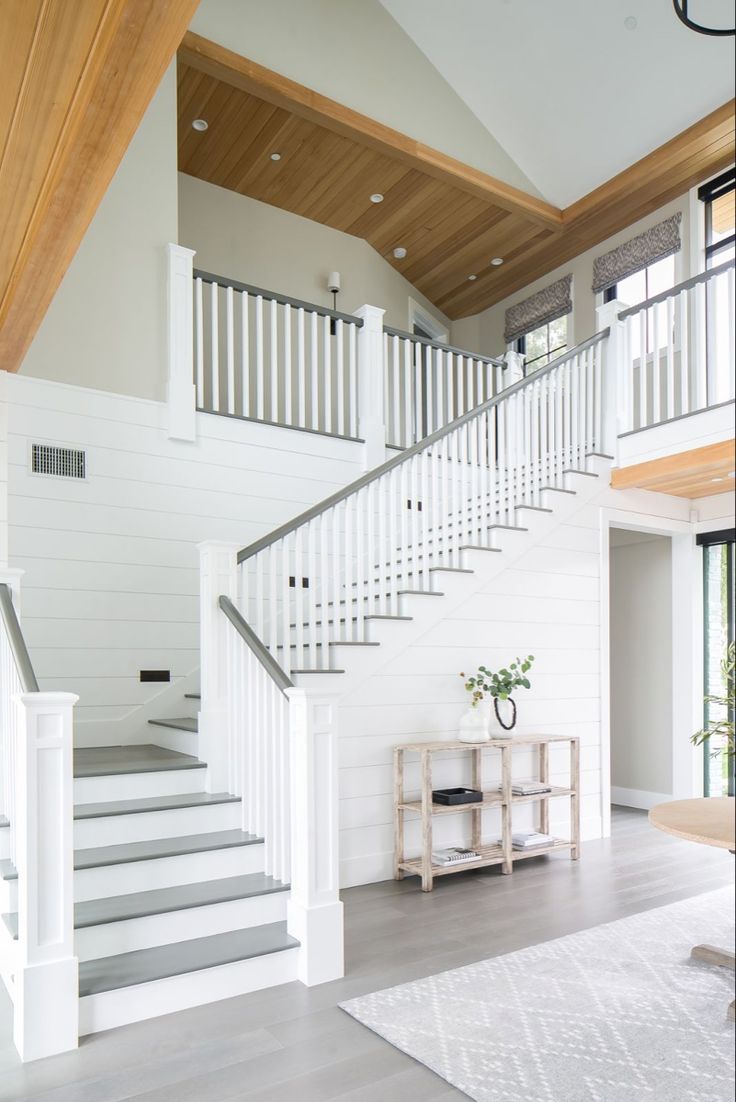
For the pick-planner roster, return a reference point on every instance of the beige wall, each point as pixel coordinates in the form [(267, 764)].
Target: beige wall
[(641, 662), (355, 52), (484, 332), (267, 247), (106, 326)]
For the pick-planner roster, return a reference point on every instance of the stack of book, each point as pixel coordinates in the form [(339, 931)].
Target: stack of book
[(528, 788), (530, 840), (454, 855)]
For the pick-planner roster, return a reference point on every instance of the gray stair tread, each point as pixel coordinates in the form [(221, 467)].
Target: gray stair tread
[(118, 908), (185, 723), (146, 965), (153, 803), (4, 822), (124, 854), (109, 761), (192, 696)]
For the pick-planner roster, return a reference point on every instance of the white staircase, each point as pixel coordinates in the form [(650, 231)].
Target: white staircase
[(203, 863)]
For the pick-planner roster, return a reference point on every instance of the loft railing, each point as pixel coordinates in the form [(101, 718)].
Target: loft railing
[(428, 384), (678, 354), (36, 847), (266, 357)]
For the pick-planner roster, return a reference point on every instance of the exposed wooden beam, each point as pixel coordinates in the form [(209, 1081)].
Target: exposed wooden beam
[(75, 81), (217, 61)]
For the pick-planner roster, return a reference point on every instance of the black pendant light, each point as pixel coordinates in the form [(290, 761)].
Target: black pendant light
[(681, 12)]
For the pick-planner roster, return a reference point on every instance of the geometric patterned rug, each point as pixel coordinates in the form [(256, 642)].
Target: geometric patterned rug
[(617, 1013)]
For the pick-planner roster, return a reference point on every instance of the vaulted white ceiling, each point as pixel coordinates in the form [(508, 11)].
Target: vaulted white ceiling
[(571, 93)]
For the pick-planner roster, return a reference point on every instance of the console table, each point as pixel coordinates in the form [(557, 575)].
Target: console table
[(491, 854)]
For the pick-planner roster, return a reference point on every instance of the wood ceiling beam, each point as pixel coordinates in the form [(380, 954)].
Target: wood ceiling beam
[(685, 474), (217, 61), (75, 81)]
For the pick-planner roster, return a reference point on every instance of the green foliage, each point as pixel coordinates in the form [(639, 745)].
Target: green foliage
[(500, 684), (722, 728)]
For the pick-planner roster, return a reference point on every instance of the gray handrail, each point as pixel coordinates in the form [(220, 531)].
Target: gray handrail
[(248, 636), (703, 277), (273, 296), (391, 332), (408, 453), (18, 647)]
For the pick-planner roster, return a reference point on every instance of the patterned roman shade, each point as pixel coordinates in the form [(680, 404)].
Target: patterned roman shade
[(644, 249), (546, 305)]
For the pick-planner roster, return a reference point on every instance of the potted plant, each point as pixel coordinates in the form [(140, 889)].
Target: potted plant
[(500, 685), (722, 727)]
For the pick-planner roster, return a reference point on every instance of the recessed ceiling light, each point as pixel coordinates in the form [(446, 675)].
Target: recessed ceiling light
[(719, 479), (631, 22), (376, 197), (471, 278), (200, 124), (497, 261), (275, 156), (400, 252)]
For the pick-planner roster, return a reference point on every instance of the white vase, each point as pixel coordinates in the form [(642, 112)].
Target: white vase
[(474, 726), (506, 710)]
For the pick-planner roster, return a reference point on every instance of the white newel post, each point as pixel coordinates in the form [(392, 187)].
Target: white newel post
[(614, 398), (315, 911), (218, 576), (371, 386), (181, 395), (514, 372), (3, 467), (46, 999)]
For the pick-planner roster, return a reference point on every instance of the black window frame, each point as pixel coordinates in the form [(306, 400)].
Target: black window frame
[(707, 193), (707, 540), (520, 346)]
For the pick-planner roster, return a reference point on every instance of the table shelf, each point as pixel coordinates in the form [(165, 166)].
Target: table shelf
[(500, 797)]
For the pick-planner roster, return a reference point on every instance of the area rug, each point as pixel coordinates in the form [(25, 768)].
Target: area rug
[(617, 1013)]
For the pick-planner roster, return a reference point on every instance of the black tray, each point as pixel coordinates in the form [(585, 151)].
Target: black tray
[(457, 796)]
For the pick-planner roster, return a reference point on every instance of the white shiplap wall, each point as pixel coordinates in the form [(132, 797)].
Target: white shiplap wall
[(546, 604), (111, 583)]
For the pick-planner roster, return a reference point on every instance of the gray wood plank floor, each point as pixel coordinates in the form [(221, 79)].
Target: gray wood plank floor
[(292, 1043)]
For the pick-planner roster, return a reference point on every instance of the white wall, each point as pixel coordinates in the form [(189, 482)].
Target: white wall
[(112, 579), (641, 667), (484, 332), (106, 326), (262, 245), (357, 54)]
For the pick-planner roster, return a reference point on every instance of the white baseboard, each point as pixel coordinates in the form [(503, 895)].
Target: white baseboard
[(636, 797)]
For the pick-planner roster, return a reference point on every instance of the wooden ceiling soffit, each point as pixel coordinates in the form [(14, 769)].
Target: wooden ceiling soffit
[(75, 81), (217, 61), (699, 472)]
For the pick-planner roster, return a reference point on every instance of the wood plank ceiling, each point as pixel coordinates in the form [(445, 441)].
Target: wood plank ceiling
[(75, 80), (699, 472), (451, 218)]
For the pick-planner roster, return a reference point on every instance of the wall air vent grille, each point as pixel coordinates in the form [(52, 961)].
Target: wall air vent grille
[(61, 462)]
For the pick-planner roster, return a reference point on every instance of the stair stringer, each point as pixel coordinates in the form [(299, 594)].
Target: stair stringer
[(356, 664)]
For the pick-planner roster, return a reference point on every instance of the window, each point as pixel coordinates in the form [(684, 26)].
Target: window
[(543, 345), (640, 286), (719, 197), (718, 633)]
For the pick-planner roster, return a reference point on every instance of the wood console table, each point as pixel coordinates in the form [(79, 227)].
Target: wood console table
[(494, 854)]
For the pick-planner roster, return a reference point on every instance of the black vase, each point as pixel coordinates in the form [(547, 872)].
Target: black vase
[(506, 726)]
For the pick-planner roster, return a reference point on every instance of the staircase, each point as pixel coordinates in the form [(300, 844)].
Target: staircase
[(203, 862)]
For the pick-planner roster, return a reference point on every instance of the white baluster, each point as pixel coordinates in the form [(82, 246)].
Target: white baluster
[(199, 341), (670, 352), (230, 349), (260, 381), (314, 368), (340, 369), (327, 373), (288, 369), (214, 348), (301, 370), (245, 352), (408, 404), (643, 381), (353, 378), (274, 361)]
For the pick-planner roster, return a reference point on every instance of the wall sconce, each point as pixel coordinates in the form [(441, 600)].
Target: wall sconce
[(333, 286)]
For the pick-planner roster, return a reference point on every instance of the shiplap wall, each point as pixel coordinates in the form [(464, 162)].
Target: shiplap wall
[(112, 582), (546, 604)]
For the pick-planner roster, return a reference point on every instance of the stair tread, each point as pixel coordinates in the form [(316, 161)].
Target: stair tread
[(183, 723), (147, 965), (192, 696), (118, 908), (110, 761), (153, 803), (153, 848)]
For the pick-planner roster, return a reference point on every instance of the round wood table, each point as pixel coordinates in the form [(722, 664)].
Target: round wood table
[(712, 822)]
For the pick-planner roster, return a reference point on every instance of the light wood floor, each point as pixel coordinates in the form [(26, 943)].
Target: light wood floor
[(291, 1044)]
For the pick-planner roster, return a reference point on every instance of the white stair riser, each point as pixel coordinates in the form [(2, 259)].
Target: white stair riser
[(167, 872), (138, 786), (111, 830), (8, 896), (149, 1000), (109, 939), (184, 742), (4, 843)]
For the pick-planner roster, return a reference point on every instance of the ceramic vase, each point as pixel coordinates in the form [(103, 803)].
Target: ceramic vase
[(503, 715), (474, 726)]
